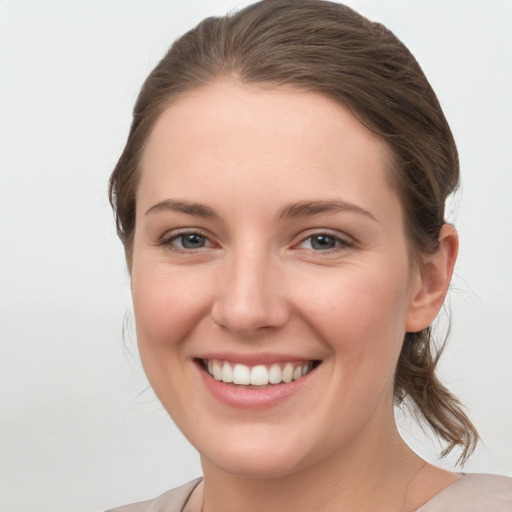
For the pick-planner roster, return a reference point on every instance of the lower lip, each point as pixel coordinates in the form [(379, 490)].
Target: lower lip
[(252, 398)]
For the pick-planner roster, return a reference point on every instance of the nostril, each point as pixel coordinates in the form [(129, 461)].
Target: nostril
[(248, 299), (246, 319)]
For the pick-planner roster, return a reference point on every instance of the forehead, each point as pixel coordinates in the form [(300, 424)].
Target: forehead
[(226, 137)]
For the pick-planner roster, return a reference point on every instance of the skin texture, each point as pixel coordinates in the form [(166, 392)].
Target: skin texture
[(259, 287)]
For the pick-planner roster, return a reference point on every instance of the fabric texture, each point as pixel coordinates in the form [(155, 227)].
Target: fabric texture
[(172, 501), (471, 493)]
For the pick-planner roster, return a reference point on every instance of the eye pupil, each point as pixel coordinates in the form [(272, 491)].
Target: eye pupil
[(192, 241), (323, 242)]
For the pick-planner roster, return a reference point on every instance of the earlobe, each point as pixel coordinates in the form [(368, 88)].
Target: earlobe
[(435, 277)]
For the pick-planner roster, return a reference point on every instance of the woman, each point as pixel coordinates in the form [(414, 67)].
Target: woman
[(281, 203)]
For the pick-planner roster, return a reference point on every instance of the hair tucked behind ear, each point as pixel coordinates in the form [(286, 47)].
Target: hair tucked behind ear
[(326, 47)]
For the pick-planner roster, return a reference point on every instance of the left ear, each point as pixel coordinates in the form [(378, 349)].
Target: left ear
[(433, 281)]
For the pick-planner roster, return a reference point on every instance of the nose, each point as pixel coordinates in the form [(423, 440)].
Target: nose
[(251, 297)]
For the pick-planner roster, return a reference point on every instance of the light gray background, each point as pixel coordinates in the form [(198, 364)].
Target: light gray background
[(77, 430)]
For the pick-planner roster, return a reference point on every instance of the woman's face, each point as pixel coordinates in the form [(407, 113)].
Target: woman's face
[(269, 244)]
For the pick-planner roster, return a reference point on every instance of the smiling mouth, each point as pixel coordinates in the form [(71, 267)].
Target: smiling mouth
[(259, 375)]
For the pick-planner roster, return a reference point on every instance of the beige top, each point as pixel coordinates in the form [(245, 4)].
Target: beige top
[(471, 493)]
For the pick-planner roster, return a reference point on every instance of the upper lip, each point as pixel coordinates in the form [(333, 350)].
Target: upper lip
[(254, 359)]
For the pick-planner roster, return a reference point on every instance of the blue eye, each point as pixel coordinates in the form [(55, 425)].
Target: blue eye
[(185, 241), (324, 242), (190, 241)]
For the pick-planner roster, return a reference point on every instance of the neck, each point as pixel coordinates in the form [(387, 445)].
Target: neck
[(373, 472)]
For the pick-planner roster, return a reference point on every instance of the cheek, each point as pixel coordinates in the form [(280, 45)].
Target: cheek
[(167, 307), (361, 315)]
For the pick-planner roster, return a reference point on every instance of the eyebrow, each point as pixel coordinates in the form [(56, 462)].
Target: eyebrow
[(297, 209), (188, 207), (311, 208)]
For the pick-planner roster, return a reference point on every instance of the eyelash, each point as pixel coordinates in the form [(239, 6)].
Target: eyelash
[(341, 243), (167, 241)]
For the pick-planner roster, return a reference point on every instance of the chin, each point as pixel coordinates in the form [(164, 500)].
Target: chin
[(264, 465), (258, 459)]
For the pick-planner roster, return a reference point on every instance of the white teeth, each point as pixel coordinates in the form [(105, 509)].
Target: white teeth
[(259, 375), (241, 374), (227, 373), (288, 372), (217, 370), (275, 374)]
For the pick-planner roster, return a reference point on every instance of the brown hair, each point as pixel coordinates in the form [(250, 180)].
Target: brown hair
[(326, 47)]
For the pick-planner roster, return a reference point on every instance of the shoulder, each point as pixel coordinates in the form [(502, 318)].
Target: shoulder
[(172, 501), (474, 493)]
